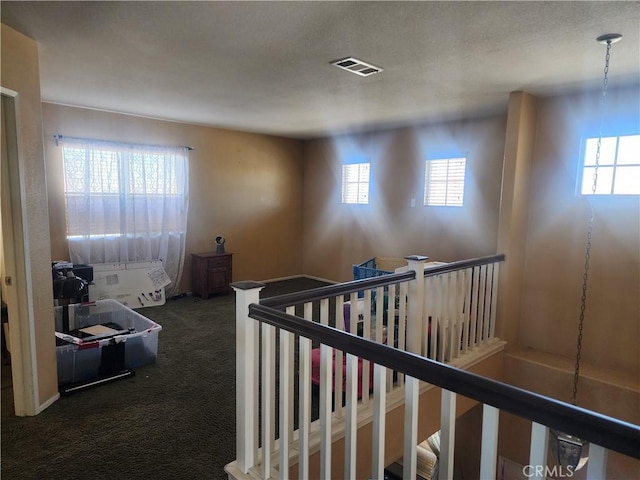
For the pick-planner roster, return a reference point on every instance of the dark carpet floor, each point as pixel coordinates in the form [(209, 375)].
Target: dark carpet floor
[(172, 420)]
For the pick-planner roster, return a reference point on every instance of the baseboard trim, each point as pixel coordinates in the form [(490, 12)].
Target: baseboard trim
[(293, 277), (48, 403), (234, 473), (320, 279)]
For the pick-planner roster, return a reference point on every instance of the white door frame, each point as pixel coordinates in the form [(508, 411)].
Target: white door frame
[(17, 286)]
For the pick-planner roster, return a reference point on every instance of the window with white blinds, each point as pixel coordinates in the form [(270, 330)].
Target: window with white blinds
[(444, 182), (355, 183), (618, 166)]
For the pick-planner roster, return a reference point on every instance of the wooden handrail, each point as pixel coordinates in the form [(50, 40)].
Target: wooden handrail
[(330, 291), (608, 432), (336, 290), (464, 264)]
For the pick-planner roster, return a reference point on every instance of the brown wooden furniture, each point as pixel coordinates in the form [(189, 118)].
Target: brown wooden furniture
[(211, 273)]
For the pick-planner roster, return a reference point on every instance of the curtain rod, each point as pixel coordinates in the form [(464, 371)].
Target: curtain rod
[(59, 138)]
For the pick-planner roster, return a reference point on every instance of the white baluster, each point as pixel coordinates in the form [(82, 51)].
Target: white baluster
[(268, 411), (379, 417), (430, 299), (409, 462), (379, 320), (474, 307), (366, 333), (391, 329), (291, 310), (285, 404), (325, 397), (466, 326), (489, 452), (450, 316), (304, 414), (482, 293), (351, 425), (402, 327), (337, 364), (441, 327), (538, 450), (447, 434), (432, 320), (494, 300), (487, 304), (597, 465), (458, 308)]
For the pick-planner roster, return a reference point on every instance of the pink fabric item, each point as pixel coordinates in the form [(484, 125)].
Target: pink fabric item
[(315, 371), (315, 356)]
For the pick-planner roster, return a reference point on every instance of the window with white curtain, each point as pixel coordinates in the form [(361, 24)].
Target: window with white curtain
[(444, 182), (355, 183), (126, 203)]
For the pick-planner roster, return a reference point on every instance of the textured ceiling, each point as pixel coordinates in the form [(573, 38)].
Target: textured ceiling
[(265, 66)]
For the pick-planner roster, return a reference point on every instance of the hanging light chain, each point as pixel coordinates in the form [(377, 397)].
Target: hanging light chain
[(587, 253)]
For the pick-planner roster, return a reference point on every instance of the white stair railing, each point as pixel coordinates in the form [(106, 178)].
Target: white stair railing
[(437, 312), (603, 432), (393, 314)]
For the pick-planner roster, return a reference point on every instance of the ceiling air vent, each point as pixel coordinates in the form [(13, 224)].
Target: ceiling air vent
[(356, 66)]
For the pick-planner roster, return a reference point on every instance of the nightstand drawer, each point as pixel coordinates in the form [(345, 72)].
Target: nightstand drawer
[(222, 262)]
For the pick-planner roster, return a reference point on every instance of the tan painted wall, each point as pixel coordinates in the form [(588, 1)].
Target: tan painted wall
[(246, 187), (542, 356), (336, 236), (20, 73), (554, 258), (548, 244), (551, 235)]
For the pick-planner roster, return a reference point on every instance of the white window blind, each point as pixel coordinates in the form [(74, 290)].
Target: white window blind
[(618, 166), (355, 183), (444, 182)]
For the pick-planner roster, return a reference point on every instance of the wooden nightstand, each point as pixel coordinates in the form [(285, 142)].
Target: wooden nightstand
[(211, 273)]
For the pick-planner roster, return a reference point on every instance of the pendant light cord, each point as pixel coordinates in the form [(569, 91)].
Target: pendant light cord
[(587, 253)]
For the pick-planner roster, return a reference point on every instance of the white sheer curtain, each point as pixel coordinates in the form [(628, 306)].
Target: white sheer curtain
[(126, 203)]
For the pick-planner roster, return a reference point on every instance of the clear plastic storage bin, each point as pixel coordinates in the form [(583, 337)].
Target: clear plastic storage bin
[(81, 360)]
